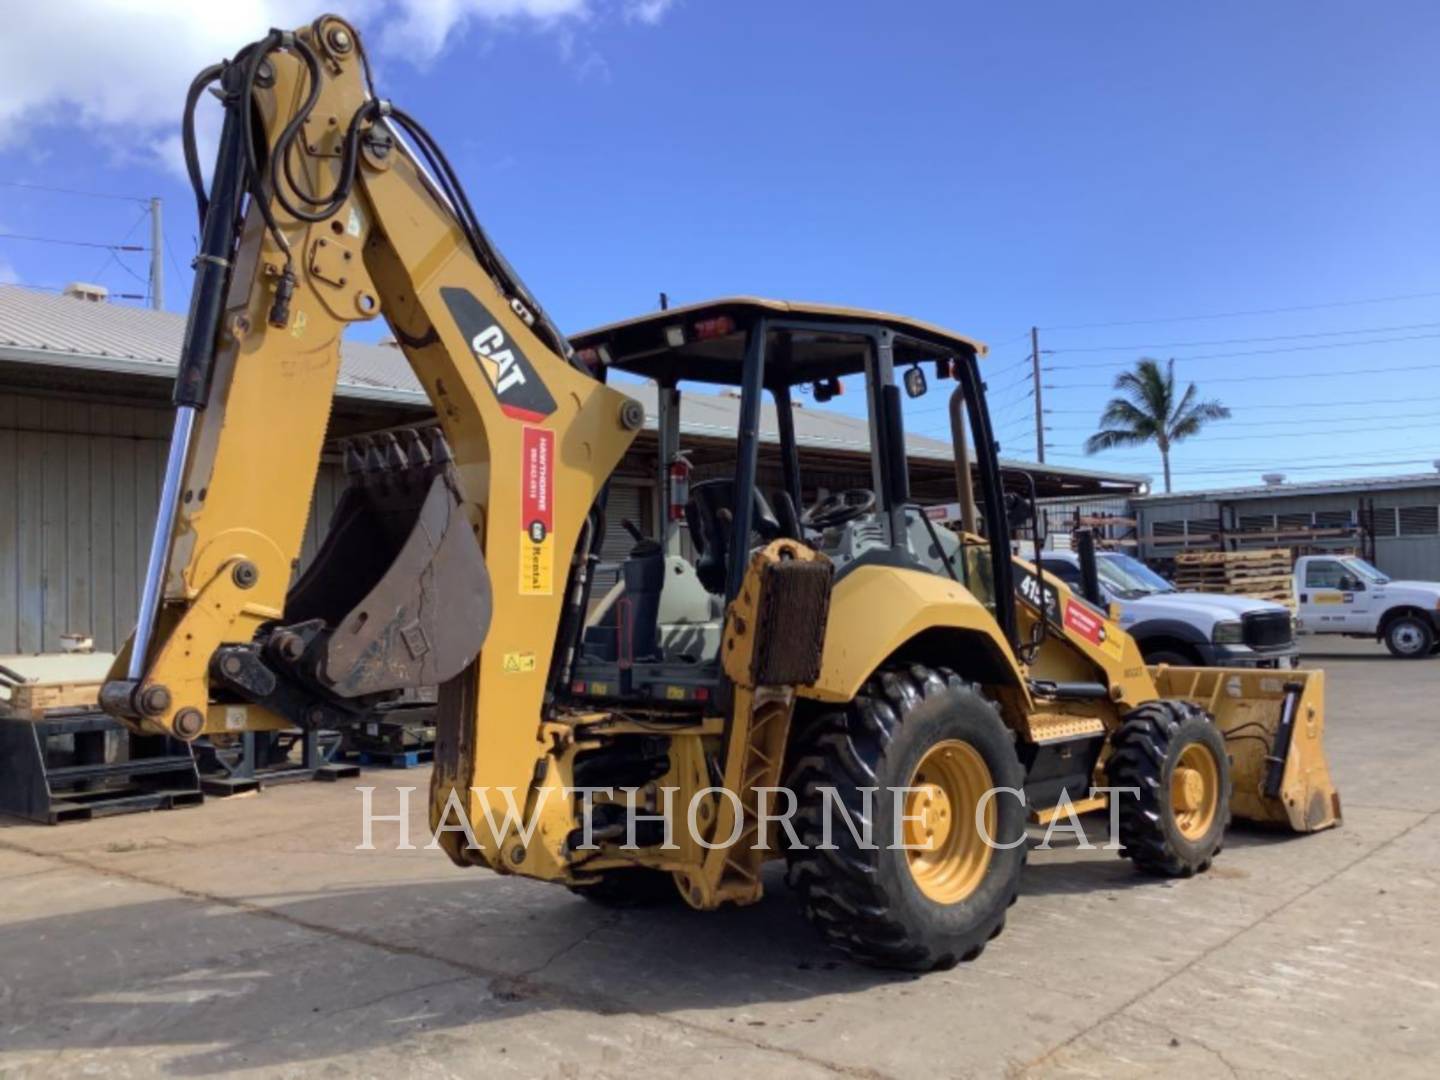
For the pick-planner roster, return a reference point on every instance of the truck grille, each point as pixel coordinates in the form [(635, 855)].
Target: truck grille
[(1268, 629)]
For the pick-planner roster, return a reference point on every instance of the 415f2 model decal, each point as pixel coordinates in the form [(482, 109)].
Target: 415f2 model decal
[(511, 375)]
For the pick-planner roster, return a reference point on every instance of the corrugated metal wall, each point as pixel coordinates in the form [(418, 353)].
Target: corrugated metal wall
[(79, 482), (1407, 523)]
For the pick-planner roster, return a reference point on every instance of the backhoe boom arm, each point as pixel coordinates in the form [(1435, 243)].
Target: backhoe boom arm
[(318, 216)]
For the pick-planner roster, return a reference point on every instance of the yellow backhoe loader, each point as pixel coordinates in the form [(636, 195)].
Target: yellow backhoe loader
[(916, 696)]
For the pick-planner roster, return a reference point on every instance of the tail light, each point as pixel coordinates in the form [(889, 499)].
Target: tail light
[(719, 326)]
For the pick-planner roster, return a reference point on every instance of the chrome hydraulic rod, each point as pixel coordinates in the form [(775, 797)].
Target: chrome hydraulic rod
[(153, 591)]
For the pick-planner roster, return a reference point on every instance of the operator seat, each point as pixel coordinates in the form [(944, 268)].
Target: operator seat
[(709, 513)]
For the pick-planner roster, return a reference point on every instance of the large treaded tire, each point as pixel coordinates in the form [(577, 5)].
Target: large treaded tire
[(866, 902), (1144, 752), (636, 888)]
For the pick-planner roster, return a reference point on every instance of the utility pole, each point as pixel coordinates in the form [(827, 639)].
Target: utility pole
[(157, 262), (1039, 403)]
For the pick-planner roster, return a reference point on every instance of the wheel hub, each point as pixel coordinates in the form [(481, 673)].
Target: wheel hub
[(1407, 638), (928, 817), (946, 853), (1189, 789), (1195, 791)]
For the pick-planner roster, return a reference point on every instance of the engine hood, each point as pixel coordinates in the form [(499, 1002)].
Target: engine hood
[(1201, 610), (1421, 593)]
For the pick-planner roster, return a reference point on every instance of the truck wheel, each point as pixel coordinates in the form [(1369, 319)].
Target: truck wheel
[(941, 896), (636, 888), (1172, 752), (1409, 637)]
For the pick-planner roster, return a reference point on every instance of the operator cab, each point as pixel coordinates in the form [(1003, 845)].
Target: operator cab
[(655, 635)]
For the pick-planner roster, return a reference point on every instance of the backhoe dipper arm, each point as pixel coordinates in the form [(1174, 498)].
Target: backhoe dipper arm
[(318, 216)]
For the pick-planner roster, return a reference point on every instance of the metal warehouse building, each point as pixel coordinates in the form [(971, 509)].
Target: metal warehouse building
[(85, 422), (1397, 518)]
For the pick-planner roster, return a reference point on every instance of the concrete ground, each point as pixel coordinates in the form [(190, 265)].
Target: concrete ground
[(251, 936)]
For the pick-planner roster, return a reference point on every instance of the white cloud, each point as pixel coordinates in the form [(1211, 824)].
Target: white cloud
[(118, 69), (8, 274), (647, 11), (420, 28)]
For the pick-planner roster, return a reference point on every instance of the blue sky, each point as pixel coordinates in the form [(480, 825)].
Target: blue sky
[(985, 166)]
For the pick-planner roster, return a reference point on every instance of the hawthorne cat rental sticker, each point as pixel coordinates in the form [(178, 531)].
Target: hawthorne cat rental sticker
[(537, 486), (1091, 627)]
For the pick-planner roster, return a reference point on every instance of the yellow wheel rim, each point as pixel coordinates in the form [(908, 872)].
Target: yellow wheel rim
[(947, 855), (1195, 791)]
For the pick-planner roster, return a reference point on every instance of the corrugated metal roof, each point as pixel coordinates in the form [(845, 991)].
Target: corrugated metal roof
[(1310, 487), (37, 327), (67, 328)]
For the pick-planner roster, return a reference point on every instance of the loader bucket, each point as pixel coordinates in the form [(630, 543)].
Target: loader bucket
[(1274, 727)]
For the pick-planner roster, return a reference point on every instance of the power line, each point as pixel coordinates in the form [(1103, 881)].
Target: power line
[(62, 288), (72, 243), (1271, 464), (1019, 363), (1288, 406), (1365, 430), (1267, 378), (1311, 422), (74, 191), (1242, 314), (1253, 352), (1242, 340)]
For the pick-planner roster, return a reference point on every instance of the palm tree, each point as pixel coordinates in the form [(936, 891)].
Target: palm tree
[(1149, 412)]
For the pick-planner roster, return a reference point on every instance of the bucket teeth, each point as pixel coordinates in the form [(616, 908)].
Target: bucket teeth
[(439, 448), (374, 459), (394, 454), (415, 448), (390, 456), (353, 456)]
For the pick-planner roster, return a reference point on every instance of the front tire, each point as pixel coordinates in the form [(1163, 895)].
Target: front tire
[(1174, 756), (1409, 637), (939, 902)]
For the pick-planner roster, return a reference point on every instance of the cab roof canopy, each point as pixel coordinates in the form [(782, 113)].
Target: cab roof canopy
[(705, 342)]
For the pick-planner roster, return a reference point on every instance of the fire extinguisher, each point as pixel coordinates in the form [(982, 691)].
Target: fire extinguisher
[(679, 487)]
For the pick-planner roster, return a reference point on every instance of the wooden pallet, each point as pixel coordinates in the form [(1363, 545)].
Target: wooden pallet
[(1233, 558), (1260, 574), (34, 700), (1255, 580)]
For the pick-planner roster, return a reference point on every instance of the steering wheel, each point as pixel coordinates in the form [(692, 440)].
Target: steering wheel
[(838, 508)]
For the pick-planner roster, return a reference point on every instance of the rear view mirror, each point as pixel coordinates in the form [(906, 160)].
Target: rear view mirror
[(915, 384)]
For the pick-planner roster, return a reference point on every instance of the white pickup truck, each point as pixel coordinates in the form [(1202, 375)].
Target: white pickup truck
[(1342, 594), (1184, 628)]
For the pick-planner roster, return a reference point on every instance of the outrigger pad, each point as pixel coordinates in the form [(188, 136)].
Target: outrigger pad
[(400, 582)]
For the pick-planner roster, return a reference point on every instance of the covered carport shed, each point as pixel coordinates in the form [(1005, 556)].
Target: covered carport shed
[(85, 420)]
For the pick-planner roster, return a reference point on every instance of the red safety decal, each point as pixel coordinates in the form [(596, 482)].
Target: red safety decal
[(537, 486), (1084, 622)]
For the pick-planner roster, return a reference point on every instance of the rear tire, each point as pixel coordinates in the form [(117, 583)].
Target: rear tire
[(1172, 752), (882, 904), (1409, 637)]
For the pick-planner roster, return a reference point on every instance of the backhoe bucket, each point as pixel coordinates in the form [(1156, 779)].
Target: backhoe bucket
[(398, 595), (1274, 727)]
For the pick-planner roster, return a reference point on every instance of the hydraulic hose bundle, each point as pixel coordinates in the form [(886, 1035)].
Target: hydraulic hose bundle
[(276, 178)]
